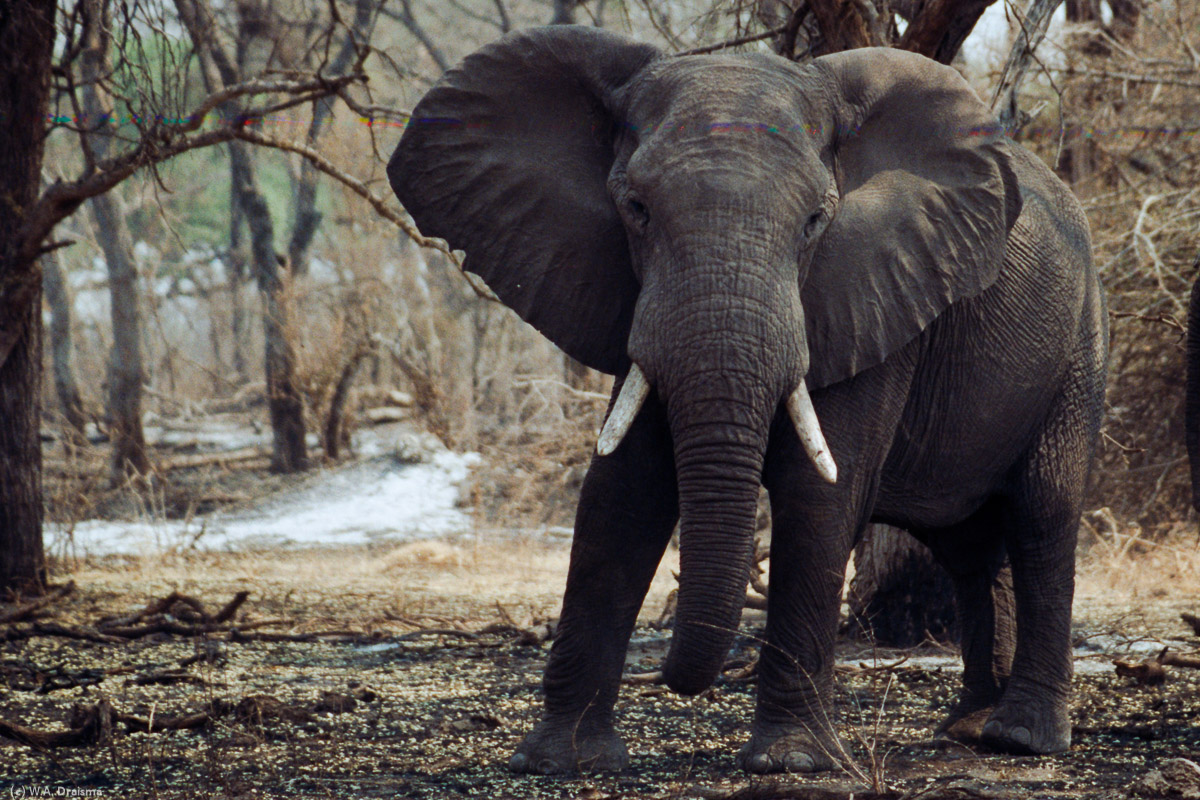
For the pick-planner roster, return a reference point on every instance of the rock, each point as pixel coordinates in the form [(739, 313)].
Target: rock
[(335, 703), (1175, 777)]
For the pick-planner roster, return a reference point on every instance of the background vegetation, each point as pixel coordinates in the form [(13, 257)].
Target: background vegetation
[(1113, 102)]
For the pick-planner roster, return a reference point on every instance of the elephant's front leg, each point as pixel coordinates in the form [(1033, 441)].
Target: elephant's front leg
[(627, 509), (811, 537)]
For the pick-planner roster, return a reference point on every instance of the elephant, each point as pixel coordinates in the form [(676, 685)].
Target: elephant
[(839, 281)]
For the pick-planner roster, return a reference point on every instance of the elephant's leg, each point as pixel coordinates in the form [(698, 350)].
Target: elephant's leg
[(972, 552), (627, 510), (812, 533), (1041, 523)]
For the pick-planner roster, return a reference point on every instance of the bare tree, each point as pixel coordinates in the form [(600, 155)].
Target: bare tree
[(125, 373), (305, 217), (26, 43), (161, 127), (285, 405)]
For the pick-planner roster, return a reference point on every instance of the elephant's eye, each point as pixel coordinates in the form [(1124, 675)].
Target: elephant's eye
[(813, 226), (638, 212)]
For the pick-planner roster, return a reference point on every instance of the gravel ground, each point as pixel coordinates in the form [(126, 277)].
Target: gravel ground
[(417, 679)]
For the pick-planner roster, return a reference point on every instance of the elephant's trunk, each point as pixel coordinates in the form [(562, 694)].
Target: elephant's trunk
[(719, 334), (1192, 403), (719, 470), (721, 399)]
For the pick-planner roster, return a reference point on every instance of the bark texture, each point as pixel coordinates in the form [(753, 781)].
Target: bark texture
[(66, 388), (26, 44)]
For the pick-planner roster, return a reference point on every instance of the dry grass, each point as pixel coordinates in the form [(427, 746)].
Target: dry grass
[(1128, 566)]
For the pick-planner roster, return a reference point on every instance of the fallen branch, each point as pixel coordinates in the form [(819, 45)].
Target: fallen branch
[(863, 668), (22, 612), (1145, 673), (643, 678), (156, 724), (168, 677), (1188, 660), (89, 725), (226, 613), (205, 459), (54, 629)]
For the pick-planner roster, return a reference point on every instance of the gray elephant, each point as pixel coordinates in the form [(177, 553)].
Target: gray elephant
[(839, 281)]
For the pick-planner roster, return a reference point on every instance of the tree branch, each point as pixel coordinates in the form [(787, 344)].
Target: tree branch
[(1033, 29)]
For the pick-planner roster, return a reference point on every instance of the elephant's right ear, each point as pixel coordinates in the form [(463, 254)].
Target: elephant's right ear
[(507, 158)]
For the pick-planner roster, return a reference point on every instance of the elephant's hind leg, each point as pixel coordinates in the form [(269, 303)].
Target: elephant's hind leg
[(627, 509), (972, 552), (1041, 524)]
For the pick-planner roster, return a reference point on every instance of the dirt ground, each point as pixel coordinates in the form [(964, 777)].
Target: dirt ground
[(414, 671)]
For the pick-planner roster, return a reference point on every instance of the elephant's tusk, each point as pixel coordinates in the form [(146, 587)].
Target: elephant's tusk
[(804, 417), (629, 403)]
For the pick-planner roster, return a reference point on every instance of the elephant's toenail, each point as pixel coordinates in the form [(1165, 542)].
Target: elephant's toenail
[(798, 762), (547, 767), (993, 728), (1021, 736), (759, 763), (519, 763)]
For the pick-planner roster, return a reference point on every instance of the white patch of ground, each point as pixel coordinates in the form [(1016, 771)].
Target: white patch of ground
[(406, 490)]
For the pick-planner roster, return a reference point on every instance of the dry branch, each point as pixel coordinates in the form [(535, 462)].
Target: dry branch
[(21, 612), (89, 725), (754, 37), (1035, 21)]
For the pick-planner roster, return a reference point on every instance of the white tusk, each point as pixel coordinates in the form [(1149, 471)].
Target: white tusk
[(629, 403), (804, 417)]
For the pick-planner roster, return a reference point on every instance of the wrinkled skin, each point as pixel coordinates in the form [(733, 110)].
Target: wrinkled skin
[(736, 227)]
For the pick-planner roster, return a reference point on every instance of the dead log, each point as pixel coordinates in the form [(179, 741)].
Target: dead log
[(226, 458)]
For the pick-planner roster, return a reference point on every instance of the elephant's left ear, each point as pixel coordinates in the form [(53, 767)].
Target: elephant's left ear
[(928, 196)]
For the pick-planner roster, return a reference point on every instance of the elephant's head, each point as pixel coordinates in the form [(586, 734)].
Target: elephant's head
[(719, 229)]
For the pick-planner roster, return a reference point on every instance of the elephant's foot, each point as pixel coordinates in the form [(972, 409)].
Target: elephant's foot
[(1028, 728), (554, 748), (788, 752)]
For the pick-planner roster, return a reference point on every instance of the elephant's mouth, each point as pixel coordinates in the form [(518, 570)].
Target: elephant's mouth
[(799, 406)]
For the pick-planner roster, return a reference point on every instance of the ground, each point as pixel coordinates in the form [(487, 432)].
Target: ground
[(413, 671)]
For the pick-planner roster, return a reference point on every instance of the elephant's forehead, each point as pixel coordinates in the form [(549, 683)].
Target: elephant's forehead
[(721, 92)]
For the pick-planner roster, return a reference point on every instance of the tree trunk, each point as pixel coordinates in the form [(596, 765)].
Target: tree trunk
[(564, 12), (65, 387), (235, 267), (283, 395), (305, 217), (899, 595), (125, 371), (26, 45)]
